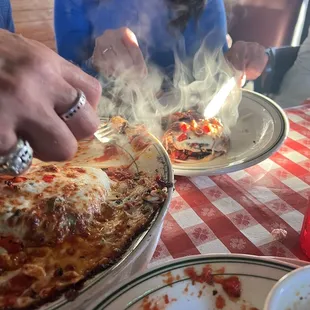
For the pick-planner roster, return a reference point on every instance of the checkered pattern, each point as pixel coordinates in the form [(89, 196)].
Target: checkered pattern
[(236, 213)]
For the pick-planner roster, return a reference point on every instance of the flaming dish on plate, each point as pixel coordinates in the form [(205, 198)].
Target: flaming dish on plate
[(61, 224), (191, 137)]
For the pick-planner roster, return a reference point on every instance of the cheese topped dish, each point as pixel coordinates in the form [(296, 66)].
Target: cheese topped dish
[(49, 204), (59, 225), (191, 137)]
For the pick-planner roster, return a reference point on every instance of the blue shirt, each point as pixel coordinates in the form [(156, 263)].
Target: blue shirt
[(6, 20), (79, 22)]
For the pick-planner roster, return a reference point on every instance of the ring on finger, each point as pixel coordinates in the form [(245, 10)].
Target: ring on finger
[(78, 104), (18, 160), (110, 48)]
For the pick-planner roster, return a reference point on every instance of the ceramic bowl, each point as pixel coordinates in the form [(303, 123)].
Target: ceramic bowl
[(292, 292)]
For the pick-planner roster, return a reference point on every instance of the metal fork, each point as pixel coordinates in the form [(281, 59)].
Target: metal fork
[(105, 132)]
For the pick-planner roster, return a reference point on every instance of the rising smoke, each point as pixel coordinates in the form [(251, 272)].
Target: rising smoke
[(195, 82)]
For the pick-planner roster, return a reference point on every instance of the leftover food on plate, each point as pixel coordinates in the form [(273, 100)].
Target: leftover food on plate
[(190, 137), (218, 287), (60, 225)]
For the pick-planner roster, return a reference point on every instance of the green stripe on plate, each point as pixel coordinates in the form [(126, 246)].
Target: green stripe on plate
[(197, 261)]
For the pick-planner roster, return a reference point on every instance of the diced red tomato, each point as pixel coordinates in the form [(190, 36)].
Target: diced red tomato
[(48, 178), (206, 128), (184, 127), (182, 137), (220, 302), (232, 287)]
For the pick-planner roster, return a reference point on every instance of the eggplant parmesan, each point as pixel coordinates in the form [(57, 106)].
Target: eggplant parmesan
[(191, 137), (60, 224)]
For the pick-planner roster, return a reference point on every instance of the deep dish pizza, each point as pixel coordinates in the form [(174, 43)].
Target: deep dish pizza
[(189, 136), (59, 225)]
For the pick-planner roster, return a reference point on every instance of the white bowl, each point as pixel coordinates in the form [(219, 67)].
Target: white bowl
[(292, 292)]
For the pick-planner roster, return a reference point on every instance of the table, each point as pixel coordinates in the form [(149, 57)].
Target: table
[(237, 212)]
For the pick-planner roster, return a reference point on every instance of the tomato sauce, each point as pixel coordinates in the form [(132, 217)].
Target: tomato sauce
[(19, 179), (48, 178), (10, 245), (220, 302), (170, 279), (18, 284), (140, 143), (166, 299), (110, 152), (231, 285), (204, 277), (80, 170), (148, 305)]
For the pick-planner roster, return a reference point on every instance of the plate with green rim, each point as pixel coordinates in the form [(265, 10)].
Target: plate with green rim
[(261, 129), (186, 283)]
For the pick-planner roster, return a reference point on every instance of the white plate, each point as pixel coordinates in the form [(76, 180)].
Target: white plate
[(261, 129), (172, 289), (293, 261)]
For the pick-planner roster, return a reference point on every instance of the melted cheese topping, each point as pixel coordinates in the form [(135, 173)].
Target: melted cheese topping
[(45, 206), (202, 143), (192, 142), (58, 226)]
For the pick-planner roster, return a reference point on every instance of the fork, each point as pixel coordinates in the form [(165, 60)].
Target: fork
[(105, 132)]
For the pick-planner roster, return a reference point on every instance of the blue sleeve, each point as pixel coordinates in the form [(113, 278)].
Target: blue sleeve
[(214, 19), (10, 23), (211, 26), (73, 31)]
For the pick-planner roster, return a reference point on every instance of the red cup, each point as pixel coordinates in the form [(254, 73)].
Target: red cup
[(305, 234)]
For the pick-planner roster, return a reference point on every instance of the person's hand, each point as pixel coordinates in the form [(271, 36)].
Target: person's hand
[(249, 58), (116, 52), (36, 87)]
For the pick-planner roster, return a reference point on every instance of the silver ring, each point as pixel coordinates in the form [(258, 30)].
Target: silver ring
[(18, 160), (79, 103), (110, 48)]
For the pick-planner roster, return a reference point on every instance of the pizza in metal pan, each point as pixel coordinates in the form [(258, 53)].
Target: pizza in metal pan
[(61, 224)]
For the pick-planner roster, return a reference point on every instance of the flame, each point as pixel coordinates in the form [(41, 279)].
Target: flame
[(194, 124), (214, 106)]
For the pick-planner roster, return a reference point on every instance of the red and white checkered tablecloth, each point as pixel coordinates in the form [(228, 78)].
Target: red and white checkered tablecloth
[(236, 212)]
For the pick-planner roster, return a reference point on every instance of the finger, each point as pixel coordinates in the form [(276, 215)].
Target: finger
[(49, 136), (257, 62), (8, 139), (86, 83), (119, 58), (131, 43), (84, 121), (113, 60), (238, 56)]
